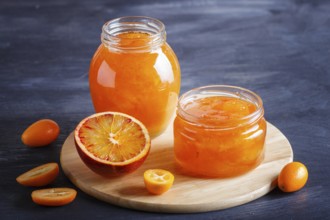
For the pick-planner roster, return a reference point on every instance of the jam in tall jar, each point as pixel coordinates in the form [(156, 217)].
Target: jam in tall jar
[(136, 72), (219, 131)]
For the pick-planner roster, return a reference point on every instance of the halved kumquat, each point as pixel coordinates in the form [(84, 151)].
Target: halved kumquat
[(54, 196), (39, 176), (158, 181)]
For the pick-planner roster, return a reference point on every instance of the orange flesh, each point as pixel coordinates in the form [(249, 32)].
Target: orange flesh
[(215, 152), (39, 176), (53, 196), (112, 138), (142, 84)]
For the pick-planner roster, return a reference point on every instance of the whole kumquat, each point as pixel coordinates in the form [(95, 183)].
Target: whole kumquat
[(292, 177), (40, 133)]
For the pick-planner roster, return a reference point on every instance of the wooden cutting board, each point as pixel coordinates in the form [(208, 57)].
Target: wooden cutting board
[(188, 194)]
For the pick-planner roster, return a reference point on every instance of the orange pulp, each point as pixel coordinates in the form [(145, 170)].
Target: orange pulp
[(216, 143), (144, 84)]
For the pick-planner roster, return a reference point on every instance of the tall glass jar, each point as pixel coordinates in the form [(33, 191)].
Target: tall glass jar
[(219, 131), (136, 72)]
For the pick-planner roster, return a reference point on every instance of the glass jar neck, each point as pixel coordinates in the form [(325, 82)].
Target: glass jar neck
[(135, 34), (225, 91)]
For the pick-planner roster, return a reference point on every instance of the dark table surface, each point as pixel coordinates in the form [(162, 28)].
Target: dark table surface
[(277, 48)]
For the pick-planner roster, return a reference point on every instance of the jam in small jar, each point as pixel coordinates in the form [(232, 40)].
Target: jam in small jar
[(219, 131)]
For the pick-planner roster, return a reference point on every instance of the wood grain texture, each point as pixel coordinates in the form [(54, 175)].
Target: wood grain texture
[(188, 194)]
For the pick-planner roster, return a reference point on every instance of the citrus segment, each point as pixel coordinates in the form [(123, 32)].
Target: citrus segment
[(158, 181), (112, 143), (39, 176), (54, 196)]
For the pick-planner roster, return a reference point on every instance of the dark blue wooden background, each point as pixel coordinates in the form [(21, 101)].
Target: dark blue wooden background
[(277, 48)]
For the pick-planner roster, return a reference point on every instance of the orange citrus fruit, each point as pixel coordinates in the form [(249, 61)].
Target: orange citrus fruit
[(158, 181), (292, 177), (112, 143), (53, 196), (40, 133), (39, 176)]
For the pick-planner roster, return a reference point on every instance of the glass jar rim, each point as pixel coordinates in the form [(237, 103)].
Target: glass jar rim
[(226, 91), (152, 26)]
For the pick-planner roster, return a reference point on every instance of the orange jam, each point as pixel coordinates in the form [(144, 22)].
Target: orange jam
[(219, 131), (136, 72)]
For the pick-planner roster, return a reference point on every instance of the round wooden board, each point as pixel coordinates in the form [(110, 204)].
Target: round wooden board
[(188, 194)]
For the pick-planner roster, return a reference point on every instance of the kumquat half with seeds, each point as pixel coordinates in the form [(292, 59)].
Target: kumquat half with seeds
[(53, 196), (158, 181)]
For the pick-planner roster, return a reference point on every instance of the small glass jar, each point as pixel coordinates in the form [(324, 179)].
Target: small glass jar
[(219, 131), (136, 72)]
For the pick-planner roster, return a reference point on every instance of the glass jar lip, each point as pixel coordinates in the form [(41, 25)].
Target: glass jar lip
[(154, 27), (161, 26), (225, 90)]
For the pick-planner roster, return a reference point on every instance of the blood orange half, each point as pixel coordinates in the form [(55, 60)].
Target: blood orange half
[(112, 143)]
